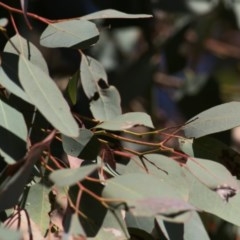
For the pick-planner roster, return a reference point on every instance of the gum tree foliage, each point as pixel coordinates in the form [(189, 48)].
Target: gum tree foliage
[(101, 190)]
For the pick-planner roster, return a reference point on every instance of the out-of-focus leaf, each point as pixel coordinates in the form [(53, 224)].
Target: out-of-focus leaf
[(194, 229), (112, 13), (3, 22), (22, 222), (28, 49), (14, 177), (8, 234), (69, 177), (46, 96), (113, 228), (215, 119), (13, 130), (126, 121), (38, 205), (209, 201), (9, 75), (212, 174), (135, 191), (85, 146), (72, 88), (74, 33), (104, 99)]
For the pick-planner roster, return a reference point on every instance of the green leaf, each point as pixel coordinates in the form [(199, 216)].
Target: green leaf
[(126, 121), (8, 234), (207, 200), (112, 13), (135, 191), (104, 99), (46, 96), (194, 229), (3, 22), (28, 50), (212, 174), (14, 131), (9, 75), (162, 167), (215, 119), (85, 146), (72, 88), (74, 33), (69, 177), (38, 205), (113, 227)]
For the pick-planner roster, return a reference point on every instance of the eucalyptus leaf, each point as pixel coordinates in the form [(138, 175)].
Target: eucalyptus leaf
[(38, 205), (126, 121), (85, 146), (3, 22), (72, 88), (69, 177), (27, 49), (194, 228), (75, 33), (209, 201), (135, 191), (14, 130), (104, 99), (9, 75), (46, 96), (212, 174), (112, 13), (8, 234), (215, 119)]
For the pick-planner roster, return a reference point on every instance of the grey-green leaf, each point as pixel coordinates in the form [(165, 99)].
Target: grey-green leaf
[(28, 49), (9, 75), (212, 174), (72, 88), (194, 228), (8, 234), (13, 129), (74, 33), (112, 13), (104, 99), (69, 177), (85, 146), (38, 205), (126, 121), (46, 96), (215, 119), (135, 191)]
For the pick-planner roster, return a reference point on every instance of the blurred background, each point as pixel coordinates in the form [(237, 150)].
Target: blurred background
[(180, 62)]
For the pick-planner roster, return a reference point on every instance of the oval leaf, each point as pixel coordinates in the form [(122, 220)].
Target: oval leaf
[(135, 191), (216, 119), (74, 33), (126, 121), (46, 96), (14, 131), (69, 177), (112, 13), (9, 75), (104, 99), (212, 174), (29, 50)]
